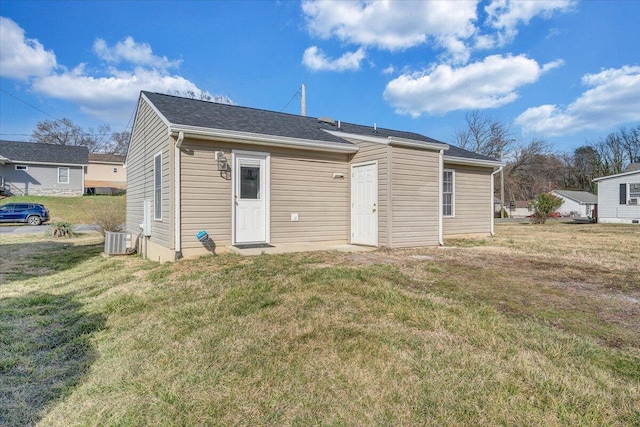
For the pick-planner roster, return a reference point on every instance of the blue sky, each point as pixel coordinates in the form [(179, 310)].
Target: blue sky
[(564, 71)]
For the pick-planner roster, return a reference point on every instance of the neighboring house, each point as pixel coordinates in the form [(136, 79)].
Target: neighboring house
[(619, 197), (519, 208), (105, 174), (256, 177), (42, 169), (576, 204)]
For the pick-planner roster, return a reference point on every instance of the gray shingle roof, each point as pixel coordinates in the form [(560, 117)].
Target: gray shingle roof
[(44, 153), (192, 112), (107, 158), (583, 197)]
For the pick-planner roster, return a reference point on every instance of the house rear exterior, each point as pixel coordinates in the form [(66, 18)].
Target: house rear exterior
[(42, 169), (105, 174), (252, 177), (619, 198)]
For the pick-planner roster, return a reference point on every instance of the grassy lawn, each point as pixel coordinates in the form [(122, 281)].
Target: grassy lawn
[(539, 325), (76, 210)]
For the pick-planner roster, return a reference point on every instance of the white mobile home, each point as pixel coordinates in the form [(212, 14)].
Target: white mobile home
[(619, 198)]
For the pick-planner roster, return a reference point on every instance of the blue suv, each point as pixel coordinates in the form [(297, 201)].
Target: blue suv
[(31, 213)]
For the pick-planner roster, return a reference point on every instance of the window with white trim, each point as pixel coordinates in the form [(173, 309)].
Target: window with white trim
[(22, 167), (634, 193), (157, 186), (448, 193), (63, 175)]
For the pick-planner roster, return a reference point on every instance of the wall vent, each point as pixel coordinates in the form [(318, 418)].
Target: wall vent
[(116, 243)]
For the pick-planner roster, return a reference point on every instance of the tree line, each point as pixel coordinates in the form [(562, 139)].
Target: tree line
[(533, 167)]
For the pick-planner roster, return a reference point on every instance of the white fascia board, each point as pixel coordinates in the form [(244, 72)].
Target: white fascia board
[(391, 140), (472, 162), (417, 144), (155, 110), (602, 178), (262, 139)]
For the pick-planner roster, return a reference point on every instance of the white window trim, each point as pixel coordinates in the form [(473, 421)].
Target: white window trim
[(68, 175), (155, 201), (629, 197), (453, 193), (20, 167)]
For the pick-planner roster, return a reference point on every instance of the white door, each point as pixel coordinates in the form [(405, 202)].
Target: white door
[(250, 197), (364, 204)]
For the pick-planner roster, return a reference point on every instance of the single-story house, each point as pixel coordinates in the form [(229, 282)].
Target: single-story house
[(28, 168), (105, 174), (253, 177), (576, 204), (619, 197)]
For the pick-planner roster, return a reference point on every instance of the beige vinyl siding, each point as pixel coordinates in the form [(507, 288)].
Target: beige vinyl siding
[(472, 199), (414, 197), (301, 182), (369, 151), (149, 137)]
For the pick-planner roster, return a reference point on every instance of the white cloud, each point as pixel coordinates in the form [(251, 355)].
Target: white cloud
[(113, 97), (611, 100), (107, 93), (389, 70), (392, 25), (22, 58), (448, 25), (129, 51), (506, 15), (490, 83), (314, 59)]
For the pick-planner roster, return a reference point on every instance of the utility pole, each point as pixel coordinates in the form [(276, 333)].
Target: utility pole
[(502, 184)]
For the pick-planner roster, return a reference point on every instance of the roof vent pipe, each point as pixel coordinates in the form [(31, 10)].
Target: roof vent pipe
[(338, 124), (375, 128), (303, 100)]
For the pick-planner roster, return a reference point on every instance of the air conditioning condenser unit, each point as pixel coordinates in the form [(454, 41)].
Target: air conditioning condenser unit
[(116, 243)]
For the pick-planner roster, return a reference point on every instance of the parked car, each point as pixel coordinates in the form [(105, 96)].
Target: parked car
[(31, 213), (551, 215)]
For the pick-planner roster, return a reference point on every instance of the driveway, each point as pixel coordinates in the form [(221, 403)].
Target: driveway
[(39, 229)]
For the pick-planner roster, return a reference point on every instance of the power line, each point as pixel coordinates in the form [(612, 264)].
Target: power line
[(292, 98), (30, 105)]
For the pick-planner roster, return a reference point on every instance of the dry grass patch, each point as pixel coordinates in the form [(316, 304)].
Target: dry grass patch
[(405, 337)]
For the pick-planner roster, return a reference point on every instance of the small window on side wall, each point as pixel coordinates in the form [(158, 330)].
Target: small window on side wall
[(63, 175), (22, 167), (115, 170), (157, 187), (448, 193)]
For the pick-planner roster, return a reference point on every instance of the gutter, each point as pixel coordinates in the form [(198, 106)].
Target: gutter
[(492, 203), (177, 196), (262, 139), (440, 179)]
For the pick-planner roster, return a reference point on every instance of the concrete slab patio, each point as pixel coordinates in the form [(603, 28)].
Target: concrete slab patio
[(284, 248)]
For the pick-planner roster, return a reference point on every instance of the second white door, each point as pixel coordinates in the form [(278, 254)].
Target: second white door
[(364, 204)]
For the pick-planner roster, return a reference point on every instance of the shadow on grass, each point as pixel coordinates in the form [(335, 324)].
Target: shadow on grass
[(45, 350), (21, 261)]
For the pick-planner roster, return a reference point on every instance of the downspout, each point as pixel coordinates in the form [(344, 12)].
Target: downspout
[(440, 173), (176, 193), (492, 206)]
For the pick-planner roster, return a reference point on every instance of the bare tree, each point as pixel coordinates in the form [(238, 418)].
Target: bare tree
[(486, 136), (65, 132)]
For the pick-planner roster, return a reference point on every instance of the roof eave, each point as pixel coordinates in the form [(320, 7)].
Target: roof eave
[(467, 161), (261, 139), (391, 140), (618, 175)]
